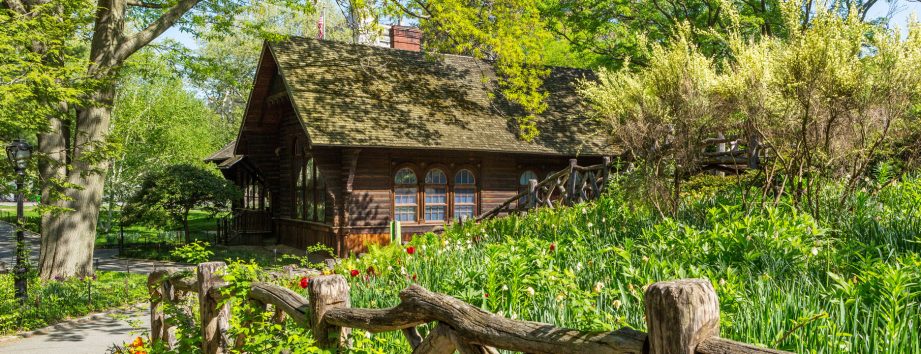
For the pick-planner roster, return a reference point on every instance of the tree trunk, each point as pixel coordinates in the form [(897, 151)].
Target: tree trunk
[(67, 248), (185, 228)]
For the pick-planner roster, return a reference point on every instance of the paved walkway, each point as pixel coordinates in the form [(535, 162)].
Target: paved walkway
[(93, 336)]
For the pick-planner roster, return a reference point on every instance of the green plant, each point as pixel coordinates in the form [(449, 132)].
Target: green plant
[(195, 252)]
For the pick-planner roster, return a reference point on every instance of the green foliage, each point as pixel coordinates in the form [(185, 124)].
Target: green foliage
[(169, 195), (156, 122), (41, 66), (195, 252), (785, 279), (54, 301), (824, 101)]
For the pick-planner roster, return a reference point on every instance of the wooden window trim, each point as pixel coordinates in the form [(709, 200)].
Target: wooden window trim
[(475, 186), (393, 193), (447, 194)]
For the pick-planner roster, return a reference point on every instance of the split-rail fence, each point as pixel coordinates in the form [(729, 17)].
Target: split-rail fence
[(682, 316)]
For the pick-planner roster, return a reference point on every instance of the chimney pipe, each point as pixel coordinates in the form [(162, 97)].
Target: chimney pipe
[(405, 38)]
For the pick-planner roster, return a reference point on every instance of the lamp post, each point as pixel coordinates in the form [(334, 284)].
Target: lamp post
[(19, 152)]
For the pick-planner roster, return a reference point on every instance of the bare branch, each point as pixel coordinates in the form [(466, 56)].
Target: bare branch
[(155, 29), (409, 12), (145, 4), (16, 6)]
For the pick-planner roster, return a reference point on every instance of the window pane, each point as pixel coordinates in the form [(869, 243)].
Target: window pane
[(320, 192), (436, 176), (404, 200), (299, 196), (405, 196), (436, 195), (404, 213), (526, 176), (464, 177), (462, 211), (405, 176), (435, 212), (464, 195)]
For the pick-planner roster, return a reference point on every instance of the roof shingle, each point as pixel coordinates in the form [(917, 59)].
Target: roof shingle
[(356, 95)]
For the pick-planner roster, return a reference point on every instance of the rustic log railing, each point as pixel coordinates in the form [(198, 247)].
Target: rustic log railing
[(571, 185), (682, 317)]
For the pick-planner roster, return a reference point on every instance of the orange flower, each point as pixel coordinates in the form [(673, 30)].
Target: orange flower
[(138, 342)]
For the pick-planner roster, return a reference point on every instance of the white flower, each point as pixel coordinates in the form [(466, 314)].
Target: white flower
[(505, 288), (589, 225), (579, 267), (616, 304), (604, 220), (815, 251), (599, 286), (584, 211), (530, 291), (402, 270), (514, 316), (645, 259)]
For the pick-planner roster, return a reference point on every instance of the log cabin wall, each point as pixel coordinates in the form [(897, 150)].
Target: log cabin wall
[(369, 208)]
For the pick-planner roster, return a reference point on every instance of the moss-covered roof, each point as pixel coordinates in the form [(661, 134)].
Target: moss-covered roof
[(356, 95)]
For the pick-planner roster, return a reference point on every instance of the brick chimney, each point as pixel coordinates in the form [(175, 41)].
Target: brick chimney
[(405, 38)]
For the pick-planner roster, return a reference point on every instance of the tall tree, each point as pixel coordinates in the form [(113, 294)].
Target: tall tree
[(156, 122), (222, 67), (76, 154)]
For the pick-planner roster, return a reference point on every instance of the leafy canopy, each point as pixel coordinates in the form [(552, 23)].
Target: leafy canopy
[(168, 196)]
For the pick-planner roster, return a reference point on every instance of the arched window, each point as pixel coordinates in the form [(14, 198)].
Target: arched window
[(310, 193), (404, 195), (523, 185), (464, 195), (436, 195)]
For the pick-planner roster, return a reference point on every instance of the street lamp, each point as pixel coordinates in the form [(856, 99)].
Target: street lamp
[(19, 152)]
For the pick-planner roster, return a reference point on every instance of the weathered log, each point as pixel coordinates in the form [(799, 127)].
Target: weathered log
[(157, 318), (680, 315), (402, 316), (412, 336), (483, 328), (327, 293), (437, 342), (169, 296), (214, 317), (716, 345), (185, 284), (282, 298)]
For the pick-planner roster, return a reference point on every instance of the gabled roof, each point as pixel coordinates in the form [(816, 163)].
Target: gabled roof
[(357, 95), (224, 153)]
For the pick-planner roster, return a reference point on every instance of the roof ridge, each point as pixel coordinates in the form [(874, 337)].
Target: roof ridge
[(394, 50)]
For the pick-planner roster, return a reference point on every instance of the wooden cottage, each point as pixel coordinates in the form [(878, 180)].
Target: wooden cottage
[(339, 140)]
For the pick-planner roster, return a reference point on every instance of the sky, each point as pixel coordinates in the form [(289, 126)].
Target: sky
[(901, 11)]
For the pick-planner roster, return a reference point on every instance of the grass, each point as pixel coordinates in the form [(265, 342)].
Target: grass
[(201, 225), (849, 282), (54, 301)]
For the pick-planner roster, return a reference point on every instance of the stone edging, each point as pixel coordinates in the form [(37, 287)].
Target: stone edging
[(71, 323)]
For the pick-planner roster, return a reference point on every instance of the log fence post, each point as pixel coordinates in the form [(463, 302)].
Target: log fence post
[(573, 179), (214, 318), (605, 172), (328, 292), (157, 318), (532, 193), (680, 315)]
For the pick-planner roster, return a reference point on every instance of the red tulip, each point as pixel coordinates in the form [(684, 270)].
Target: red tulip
[(486, 295), (552, 247), (304, 282), (355, 272), (414, 277), (410, 250)]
